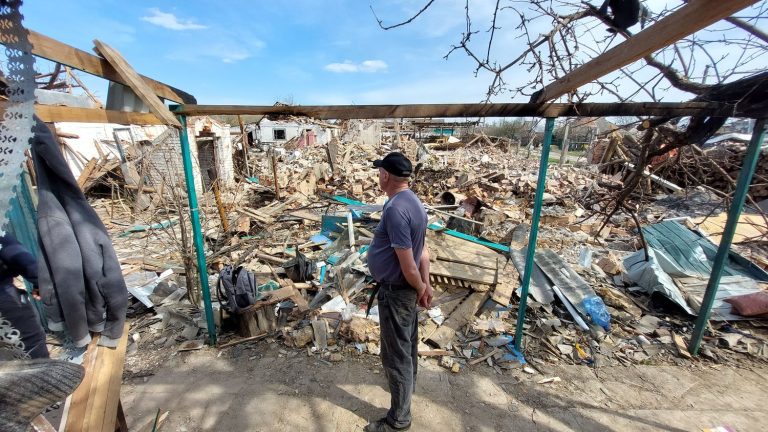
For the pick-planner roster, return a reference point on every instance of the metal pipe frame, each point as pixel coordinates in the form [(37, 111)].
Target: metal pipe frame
[(537, 203), (197, 232), (739, 196)]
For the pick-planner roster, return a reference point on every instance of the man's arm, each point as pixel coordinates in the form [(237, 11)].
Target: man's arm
[(19, 260), (409, 269), (426, 299)]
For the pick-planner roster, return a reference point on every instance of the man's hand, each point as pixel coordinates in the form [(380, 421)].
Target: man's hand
[(425, 296)]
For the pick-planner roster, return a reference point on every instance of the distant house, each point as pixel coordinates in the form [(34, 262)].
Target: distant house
[(278, 132)]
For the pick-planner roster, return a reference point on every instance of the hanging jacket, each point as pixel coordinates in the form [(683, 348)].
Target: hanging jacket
[(80, 279)]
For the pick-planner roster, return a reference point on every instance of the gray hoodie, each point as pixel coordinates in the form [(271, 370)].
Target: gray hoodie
[(80, 279)]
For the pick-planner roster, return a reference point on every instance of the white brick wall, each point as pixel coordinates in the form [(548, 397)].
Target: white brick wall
[(167, 168), (165, 164)]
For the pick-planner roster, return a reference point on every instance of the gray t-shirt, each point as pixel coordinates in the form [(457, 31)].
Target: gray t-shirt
[(403, 225)]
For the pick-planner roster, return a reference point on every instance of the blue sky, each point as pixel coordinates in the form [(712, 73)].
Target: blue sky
[(307, 51), (302, 51)]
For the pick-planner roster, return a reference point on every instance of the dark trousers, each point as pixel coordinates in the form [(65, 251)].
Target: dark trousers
[(399, 348), (18, 313)]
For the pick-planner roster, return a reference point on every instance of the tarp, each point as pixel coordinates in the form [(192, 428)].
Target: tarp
[(677, 253)]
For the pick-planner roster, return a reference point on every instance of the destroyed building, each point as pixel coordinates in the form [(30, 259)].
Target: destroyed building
[(539, 269)]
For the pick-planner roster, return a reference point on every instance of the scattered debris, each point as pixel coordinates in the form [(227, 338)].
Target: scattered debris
[(306, 250)]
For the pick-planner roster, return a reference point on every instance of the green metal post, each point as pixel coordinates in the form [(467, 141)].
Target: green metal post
[(197, 232), (742, 187), (540, 185)]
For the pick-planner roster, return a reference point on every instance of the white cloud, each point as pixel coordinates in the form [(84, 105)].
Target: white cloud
[(341, 67), (370, 66), (233, 56), (170, 21), (373, 66)]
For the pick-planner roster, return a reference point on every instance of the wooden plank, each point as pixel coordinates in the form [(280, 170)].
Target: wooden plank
[(667, 109), (434, 353), (505, 285), (502, 293), (458, 319), (257, 214), (87, 171), (113, 361), (94, 404), (307, 215), (41, 424), (749, 228), (463, 272), (444, 281), (51, 49), (136, 83), (77, 402), (690, 18), (459, 245), (482, 359), (54, 114)]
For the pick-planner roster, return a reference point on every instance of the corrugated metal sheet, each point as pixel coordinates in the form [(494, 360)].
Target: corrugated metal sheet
[(692, 254), (562, 275)]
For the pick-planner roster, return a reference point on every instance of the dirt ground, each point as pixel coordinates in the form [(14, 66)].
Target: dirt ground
[(267, 387)]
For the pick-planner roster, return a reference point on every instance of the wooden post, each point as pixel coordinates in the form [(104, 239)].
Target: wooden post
[(217, 195), (274, 173), (564, 145), (397, 133), (244, 141)]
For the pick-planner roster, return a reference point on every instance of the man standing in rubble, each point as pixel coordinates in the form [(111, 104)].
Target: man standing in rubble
[(399, 262)]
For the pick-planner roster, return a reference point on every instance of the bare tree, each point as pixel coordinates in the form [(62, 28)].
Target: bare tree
[(547, 39)]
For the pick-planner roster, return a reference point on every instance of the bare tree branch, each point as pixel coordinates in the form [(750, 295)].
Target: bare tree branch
[(381, 23)]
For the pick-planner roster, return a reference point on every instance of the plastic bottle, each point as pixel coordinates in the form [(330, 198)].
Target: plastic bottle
[(597, 311)]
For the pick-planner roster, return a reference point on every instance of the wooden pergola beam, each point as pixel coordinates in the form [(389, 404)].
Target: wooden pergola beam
[(342, 112), (690, 18), (51, 49), (136, 83), (53, 114)]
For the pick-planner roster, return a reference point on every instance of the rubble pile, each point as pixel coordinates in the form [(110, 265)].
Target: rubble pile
[(304, 237), (718, 167)]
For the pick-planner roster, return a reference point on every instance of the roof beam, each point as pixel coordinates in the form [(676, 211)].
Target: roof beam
[(690, 18), (342, 112), (53, 50), (55, 114), (136, 83)]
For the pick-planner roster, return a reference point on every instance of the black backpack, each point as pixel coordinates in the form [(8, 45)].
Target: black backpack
[(237, 289)]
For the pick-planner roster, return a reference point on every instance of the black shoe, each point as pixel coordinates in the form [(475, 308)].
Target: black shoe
[(381, 425)]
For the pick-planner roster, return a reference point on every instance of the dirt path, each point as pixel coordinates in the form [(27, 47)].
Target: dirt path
[(268, 388)]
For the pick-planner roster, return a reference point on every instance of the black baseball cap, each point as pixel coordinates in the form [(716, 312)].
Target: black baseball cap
[(395, 163)]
